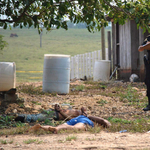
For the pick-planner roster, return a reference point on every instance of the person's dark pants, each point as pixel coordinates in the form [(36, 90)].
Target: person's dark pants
[(147, 76)]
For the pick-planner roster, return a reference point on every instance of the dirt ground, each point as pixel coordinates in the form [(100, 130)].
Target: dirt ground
[(85, 140)]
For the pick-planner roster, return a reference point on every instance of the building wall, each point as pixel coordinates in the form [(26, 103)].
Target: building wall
[(129, 58), (134, 48), (125, 46)]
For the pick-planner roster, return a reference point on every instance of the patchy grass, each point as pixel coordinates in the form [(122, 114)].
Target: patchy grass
[(8, 121), (95, 129), (102, 102), (79, 88), (90, 139), (72, 137), (37, 103), (14, 130), (30, 89), (6, 142), (130, 94), (29, 141), (138, 125)]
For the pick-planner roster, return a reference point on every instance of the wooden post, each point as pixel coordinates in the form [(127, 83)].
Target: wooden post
[(103, 42), (41, 38), (109, 49), (90, 70), (72, 68), (86, 58)]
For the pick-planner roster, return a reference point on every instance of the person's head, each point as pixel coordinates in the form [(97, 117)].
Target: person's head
[(147, 40)]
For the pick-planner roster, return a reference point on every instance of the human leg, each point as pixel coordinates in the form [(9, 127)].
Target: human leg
[(147, 108), (78, 126), (38, 127), (147, 78)]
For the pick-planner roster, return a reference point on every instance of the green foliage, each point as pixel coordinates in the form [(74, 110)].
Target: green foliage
[(119, 120), (48, 122), (37, 103), (79, 87), (101, 102), (5, 121), (6, 142), (96, 85), (138, 125), (50, 14), (31, 89), (2, 43), (103, 86), (29, 141), (131, 95), (8, 121)]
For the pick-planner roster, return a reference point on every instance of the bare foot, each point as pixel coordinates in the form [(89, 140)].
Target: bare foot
[(35, 127), (53, 129)]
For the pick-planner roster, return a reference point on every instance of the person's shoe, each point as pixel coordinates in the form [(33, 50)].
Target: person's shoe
[(147, 108), (20, 118)]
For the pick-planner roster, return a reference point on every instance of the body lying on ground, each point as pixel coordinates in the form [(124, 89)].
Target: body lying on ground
[(79, 123), (61, 114)]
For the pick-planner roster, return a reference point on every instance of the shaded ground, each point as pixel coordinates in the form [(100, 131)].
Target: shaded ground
[(103, 101)]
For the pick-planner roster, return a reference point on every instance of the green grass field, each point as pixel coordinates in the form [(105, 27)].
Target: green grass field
[(26, 52)]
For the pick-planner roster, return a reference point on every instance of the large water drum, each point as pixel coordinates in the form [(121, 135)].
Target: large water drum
[(56, 73), (7, 76), (101, 70)]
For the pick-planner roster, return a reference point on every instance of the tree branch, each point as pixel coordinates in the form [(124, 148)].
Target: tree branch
[(25, 12), (117, 8), (19, 17)]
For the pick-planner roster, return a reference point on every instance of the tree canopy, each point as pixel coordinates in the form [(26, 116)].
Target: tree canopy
[(55, 13), (2, 43)]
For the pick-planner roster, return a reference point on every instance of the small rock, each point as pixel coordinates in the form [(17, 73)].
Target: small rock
[(15, 111), (135, 88), (37, 107), (134, 78)]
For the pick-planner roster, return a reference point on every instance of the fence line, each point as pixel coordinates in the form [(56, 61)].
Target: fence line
[(80, 65), (83, 64)]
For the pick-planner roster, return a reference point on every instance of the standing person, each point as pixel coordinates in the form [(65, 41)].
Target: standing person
[(146, 46)]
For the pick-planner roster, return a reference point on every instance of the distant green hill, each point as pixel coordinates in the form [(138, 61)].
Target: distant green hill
[(26, 52)]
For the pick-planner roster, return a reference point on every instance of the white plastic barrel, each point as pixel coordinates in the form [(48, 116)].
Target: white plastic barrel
[(56, 73), (7, 76), (101, 70)]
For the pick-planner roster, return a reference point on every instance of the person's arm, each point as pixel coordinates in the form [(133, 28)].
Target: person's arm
[(63, 114), (100, 121), (142, 47), (69, 113)]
